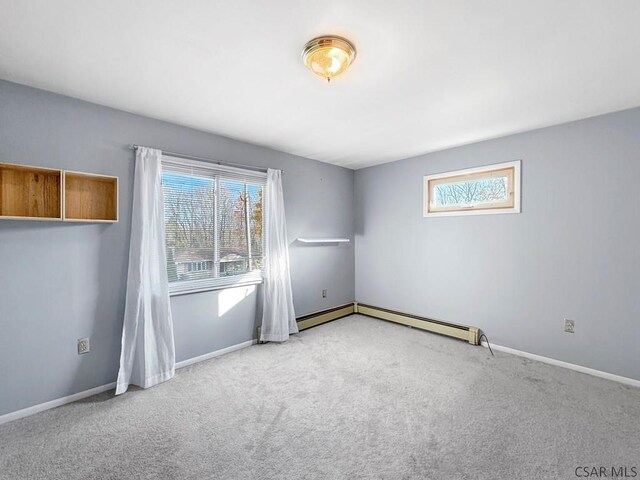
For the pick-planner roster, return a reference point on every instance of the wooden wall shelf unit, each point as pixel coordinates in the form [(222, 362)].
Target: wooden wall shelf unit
[(90, 198), (36, 193), (31, 193)]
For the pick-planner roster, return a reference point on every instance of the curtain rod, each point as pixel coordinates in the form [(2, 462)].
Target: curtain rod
[(203, 159)]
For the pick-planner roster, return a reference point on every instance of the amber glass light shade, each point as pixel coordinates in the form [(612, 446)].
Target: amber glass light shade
[(328, 56)]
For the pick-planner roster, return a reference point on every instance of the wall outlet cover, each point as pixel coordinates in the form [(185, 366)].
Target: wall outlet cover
[(569, 326), (83, 346)]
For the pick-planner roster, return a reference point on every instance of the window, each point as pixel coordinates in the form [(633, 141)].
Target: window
[(482, 190), (213, 225)]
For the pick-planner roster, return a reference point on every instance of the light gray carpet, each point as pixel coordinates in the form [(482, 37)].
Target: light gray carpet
[(356, 398)]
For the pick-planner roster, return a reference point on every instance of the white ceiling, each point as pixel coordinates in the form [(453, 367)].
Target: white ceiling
[(428, 75)]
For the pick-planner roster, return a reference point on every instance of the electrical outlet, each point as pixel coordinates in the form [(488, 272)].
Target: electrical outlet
[(83, 346), (569, 326), (324, 294)]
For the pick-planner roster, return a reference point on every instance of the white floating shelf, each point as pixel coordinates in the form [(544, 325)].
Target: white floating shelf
[(324, 240)]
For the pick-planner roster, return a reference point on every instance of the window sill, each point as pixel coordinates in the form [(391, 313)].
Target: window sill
[(210, 288)]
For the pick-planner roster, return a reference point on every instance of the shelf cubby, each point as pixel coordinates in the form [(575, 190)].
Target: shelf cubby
[(90, 197), (32, 193)]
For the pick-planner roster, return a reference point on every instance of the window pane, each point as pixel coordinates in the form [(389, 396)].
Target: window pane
[(240, 227), (471, 192), (189, 226), (256, 223)]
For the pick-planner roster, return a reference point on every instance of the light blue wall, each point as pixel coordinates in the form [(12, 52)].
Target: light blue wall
[(60, 282), (572, 252)]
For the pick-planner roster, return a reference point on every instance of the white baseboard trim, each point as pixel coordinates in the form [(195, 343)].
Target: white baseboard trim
[(571, 366), (58, 402), (217, 353)]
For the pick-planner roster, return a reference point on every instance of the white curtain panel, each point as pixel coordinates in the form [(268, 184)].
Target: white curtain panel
[(278, 315), (148, 350)]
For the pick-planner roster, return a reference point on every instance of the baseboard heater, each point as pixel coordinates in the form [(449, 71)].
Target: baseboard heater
[(324, 316), (469, 334)]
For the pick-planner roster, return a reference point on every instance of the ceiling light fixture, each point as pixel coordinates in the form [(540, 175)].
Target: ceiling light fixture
[(328, 56)]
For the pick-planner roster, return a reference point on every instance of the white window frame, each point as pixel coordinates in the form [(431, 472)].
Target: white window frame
[(215, 172), (480, 209)]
